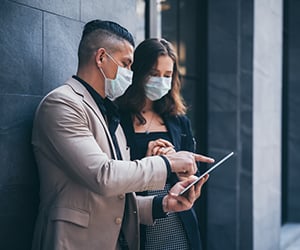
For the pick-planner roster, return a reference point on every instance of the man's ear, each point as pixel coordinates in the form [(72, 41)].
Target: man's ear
[(99, 56)]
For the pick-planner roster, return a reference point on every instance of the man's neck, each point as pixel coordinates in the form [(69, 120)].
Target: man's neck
[(94, 80)]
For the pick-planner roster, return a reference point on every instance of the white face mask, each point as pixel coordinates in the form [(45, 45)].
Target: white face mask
[(116, 87), (157, 87)]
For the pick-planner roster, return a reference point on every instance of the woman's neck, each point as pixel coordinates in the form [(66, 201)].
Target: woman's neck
[(148, 106)]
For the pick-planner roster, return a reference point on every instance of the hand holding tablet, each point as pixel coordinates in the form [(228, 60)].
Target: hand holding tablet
[(208, 171)]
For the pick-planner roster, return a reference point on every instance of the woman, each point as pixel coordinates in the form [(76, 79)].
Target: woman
[(154, 122)]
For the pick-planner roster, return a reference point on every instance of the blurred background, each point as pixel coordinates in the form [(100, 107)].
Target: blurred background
[(239, 62)]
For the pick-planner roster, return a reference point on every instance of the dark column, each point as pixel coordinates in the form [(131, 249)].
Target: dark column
[(230, 59), (291, 121)]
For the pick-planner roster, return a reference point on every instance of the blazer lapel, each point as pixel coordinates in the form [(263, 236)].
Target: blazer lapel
[(173, 126), (87, 98)]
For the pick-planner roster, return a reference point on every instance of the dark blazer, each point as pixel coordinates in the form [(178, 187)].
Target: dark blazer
[(179, 128)]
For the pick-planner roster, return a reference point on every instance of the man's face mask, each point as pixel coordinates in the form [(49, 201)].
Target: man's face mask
[(157, 87), (116, 87)]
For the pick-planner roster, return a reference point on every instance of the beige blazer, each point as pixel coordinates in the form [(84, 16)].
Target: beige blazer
[(83, 191)]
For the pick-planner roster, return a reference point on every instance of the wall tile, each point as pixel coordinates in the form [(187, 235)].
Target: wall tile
[(19, 186), (293, 21), (225, 176), (122, 12), (293, 205), (293, 62), (19, 205), (246, 134), (222, 91), (246, 54), (16, 157), (293, 138), (245, 91), (67, 8), (222, 37), (222, 132), (20, 49), (61, 40), (222, 219)]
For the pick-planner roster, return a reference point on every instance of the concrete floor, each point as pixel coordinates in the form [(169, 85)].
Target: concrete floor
[(290, 237)]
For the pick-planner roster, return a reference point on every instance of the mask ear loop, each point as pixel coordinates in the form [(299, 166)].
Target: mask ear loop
[(101, 70), (112, 58)]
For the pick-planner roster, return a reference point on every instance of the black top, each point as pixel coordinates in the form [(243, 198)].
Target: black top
[(142, 140)]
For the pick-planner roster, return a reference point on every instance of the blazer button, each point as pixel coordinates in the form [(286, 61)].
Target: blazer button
[(118, 220), (121, 196)]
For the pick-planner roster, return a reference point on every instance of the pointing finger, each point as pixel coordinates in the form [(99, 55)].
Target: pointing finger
[(203, 158)]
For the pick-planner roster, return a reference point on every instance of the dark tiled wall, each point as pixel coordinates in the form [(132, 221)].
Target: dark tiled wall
[(38, 48), (230, 59)]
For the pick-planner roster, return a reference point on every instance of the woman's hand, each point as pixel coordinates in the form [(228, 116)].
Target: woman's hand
[(160, 147)]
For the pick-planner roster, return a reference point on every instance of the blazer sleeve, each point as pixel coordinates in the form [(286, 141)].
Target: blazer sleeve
[(145, 209), (62, 135)]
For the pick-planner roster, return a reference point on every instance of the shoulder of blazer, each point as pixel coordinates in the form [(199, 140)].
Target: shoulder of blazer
[(178, 121), (180, 131), (81, 91), (72, 90), (77, 87)]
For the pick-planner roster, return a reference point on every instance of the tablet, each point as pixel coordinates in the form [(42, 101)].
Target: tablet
[(208, 171)]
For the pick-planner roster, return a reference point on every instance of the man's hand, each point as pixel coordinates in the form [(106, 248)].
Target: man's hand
[(184, 163), (173, 202)]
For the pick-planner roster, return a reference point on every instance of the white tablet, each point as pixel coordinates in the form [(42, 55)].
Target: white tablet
[(208, 171)]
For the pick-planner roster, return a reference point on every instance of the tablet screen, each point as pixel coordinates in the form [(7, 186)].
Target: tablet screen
[(205, 173)]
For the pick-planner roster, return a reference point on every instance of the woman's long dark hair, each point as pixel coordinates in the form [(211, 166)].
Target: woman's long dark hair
[(145, 59)]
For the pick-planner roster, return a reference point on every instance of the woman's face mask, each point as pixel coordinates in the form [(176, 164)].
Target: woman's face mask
[(157, 87), (116, 87)]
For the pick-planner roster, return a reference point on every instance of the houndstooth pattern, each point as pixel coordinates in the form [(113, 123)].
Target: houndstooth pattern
[(167, 233)]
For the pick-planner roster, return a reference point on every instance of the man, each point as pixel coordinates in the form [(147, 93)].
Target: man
[(87, 182)]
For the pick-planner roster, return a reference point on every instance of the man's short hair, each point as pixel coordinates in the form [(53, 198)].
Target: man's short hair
[(101, 34)]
